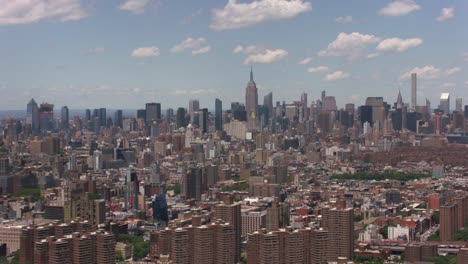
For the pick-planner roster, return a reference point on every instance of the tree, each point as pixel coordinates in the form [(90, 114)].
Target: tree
[(435, 236), (384, 232), (119, 256), (449, 259), (140, 246), (436, 217)]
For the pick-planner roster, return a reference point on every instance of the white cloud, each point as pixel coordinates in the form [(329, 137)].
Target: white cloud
[(351, 45), (146, 52), (452, 71), (260, 55), (372, 55), (136, 6), (344, 19), (14, 12), (425, 72), (448, 85), (238, 15), (446, 13), (306, 61), (201, 50), (466, 82), (338, 75), (398, 44), (266, 56), (197, 45), (399, 8), (318, 69), (246, 49)]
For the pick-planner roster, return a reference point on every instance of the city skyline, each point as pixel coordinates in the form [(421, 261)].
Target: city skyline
[(79, 57)]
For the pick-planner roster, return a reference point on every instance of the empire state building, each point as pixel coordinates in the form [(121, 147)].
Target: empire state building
[(251, 102)]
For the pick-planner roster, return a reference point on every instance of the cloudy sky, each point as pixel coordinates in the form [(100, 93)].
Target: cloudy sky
[(124, 53)]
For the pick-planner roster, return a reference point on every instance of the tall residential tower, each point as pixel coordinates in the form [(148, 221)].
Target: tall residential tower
[(414, 100)]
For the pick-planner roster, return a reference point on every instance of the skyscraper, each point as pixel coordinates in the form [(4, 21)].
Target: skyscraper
[(445, 103), (414, 100), (251, 102), (46, 117), (194, 106), (32, 117), (399, 103), (203, 120), (169, 115), (103, 116), (153, 113), (268, 103), (118, 118), (459, 105), (218, 115), (64, 120), (303, 114), (180, 117)]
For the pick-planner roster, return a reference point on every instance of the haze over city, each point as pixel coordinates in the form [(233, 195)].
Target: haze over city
[(77, 53)]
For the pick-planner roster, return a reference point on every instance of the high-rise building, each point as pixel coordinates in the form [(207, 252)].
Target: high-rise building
[(306, 246), (46, 117), (277, 216), (252, 221), (251, 102), (459, 105), (238, 111), (448, 222), (102, 113), (461, 206), (378, 110), (303, 112), (341, 233), (118, 118), (169, 115), (192, 183), (159, 206), (194, 106), (203, 120), (231, 213), (141, 114), (153, 113), (63, 243), (445, 103), (105, 247), (218, 115), (87, 115), (64, 120), (180, 117), (197, 244), (268, 103), (32, 116), (88, 209), (329, 103), (414, 100)]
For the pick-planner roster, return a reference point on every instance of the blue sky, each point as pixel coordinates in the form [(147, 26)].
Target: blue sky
[(124, 53)]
